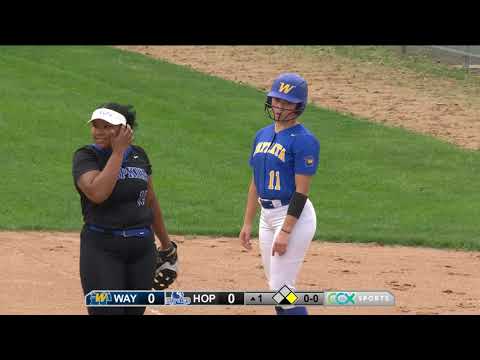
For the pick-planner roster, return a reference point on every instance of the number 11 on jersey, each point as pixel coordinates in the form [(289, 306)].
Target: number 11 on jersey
[(274, 174)]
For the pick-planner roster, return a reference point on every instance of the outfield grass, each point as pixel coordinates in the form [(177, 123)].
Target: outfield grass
[(374, 183)]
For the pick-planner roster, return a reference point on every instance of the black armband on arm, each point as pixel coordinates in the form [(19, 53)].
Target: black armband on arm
[(297, 204)]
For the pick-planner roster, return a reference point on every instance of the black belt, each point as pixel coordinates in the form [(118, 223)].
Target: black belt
[(121, 232)]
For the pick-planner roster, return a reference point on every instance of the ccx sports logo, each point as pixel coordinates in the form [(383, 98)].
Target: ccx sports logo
[(340, 298)]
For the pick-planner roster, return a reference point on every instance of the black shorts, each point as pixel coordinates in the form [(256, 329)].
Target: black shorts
[(109, 262)]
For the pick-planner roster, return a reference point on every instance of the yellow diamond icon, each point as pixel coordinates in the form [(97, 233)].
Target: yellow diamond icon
[(292, 298)]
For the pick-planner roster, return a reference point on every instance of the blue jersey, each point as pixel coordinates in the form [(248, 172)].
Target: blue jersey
[(277, 157)]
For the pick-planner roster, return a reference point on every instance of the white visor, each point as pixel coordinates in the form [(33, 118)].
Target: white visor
[(109, 116)]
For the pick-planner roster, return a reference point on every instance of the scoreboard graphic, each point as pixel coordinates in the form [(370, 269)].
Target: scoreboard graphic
[(285, 296)]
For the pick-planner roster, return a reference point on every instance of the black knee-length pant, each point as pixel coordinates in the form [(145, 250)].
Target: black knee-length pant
[(109, 262)]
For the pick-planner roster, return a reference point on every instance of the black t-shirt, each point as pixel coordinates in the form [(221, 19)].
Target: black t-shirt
[(126, 207)]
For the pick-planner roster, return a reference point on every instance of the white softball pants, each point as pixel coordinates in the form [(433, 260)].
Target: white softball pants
[(283, 270)]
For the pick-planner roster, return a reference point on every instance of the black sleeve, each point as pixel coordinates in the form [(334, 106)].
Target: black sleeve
[(143, 154), (84, 160)]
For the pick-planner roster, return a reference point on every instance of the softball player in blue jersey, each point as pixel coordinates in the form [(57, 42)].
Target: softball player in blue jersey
[(284, 158)]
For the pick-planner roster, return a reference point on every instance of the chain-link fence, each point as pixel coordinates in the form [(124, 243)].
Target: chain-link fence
[(466, 56)]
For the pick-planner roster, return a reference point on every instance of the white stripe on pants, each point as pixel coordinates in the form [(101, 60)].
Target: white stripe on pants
[(283, 270)]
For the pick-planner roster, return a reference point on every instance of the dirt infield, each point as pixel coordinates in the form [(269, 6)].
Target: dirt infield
[(40, 275), (444, 108)]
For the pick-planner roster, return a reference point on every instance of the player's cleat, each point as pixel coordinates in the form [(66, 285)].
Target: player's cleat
[(297, 310)]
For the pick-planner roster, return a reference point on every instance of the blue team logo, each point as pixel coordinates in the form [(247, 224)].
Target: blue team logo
[(309, 161), (100, 298), (178, 298)]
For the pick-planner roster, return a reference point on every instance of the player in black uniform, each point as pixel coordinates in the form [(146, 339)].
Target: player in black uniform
[(120, 209)]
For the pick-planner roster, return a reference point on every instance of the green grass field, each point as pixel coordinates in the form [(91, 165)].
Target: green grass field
[(374, 183)]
